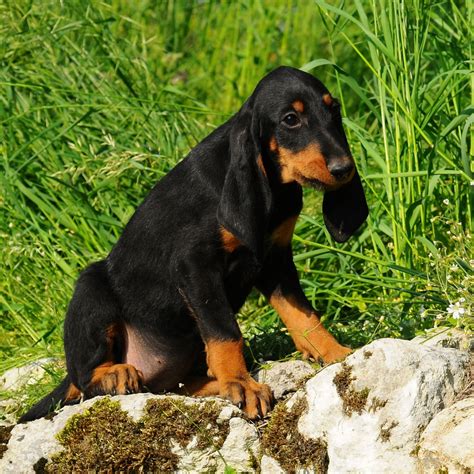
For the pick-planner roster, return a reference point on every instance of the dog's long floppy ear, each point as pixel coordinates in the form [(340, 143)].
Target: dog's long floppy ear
[(245, 201), (345, 210)]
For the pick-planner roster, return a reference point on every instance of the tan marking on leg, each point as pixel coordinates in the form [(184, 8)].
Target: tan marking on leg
[(199, 387), (307, 331), (298, 106), (229, 241), (327, 99), (226, 360), (283, 234), (73, 393)]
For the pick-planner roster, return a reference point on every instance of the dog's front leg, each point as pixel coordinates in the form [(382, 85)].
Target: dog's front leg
[(204, 294), (280, 284)]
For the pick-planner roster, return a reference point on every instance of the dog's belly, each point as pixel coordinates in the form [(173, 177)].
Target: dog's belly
[(164, 362)]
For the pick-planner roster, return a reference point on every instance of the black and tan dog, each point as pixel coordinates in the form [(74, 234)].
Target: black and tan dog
[(218, 224)]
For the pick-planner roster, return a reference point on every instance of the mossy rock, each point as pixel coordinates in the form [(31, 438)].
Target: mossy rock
[(283, 442), (106, 438)]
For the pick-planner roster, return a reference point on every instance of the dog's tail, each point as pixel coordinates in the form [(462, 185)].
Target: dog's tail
[(51, 402)]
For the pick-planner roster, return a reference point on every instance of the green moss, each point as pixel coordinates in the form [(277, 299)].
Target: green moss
[(352, 400), (282, 441), (106, 438)]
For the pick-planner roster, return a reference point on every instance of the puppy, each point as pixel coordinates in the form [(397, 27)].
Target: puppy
[(219, 224)]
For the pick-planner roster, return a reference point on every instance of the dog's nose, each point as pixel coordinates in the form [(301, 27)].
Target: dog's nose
[(341, 169)]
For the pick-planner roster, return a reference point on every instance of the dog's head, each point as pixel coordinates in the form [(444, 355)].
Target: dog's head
[(290, 130)]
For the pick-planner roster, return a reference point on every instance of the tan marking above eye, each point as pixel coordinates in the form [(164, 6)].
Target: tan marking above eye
[(327, 99), (283, 234), (298, 106)]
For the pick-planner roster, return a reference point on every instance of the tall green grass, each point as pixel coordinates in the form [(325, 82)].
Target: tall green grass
[(98, 101)]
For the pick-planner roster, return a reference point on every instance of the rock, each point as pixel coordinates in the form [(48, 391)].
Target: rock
[(390, 407), (447, 444), (285, 377), (447, 337), (18, 377), (269, 465), (222, 437), (372, 409)]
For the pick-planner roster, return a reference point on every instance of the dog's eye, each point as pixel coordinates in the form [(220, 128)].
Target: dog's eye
[(291, 120)]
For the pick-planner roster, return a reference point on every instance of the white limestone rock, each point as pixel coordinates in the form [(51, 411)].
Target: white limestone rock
[(448, 441), (285, 377), (406, 385), (447, 337)]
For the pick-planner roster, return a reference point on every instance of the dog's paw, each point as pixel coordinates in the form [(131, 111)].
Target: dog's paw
[(254, 398), (117, 379), (337, 353)]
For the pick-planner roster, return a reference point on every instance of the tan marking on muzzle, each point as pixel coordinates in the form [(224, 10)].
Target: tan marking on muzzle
[(308, 163)]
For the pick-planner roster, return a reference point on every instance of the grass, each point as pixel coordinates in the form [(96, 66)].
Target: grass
[(98, 101)]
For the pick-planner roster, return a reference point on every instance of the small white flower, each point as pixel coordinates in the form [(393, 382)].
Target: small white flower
[(446, 202), (456, 310), (454, 267)]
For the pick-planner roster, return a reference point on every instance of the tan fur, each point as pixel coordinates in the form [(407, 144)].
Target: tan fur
[(298, 106), (226, 361), (229, 241), (117, 378), (283, 234), (307, 331), (327, 99), (308, 163), (260, 165), (73, 393)]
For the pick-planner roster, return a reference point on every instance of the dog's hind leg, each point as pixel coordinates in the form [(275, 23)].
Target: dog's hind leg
[(93, 339), (93, 343)]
